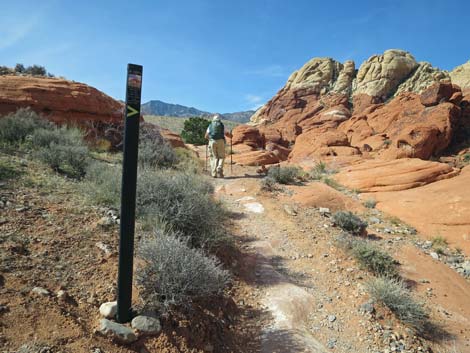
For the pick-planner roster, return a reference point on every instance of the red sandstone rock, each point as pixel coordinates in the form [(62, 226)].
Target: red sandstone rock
[(437, 93), (172, 138), (408, 128), (247, 135), (401, 174), (437, 208), (256, 158), (59, 100)]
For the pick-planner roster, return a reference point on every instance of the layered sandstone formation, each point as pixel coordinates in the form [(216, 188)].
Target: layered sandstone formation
[(58, 99), (67, 102), (392, 107)]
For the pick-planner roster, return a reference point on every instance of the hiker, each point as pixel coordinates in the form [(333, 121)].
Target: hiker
[(216, 135)]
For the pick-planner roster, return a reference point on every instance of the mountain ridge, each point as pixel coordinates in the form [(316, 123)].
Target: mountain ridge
[(158, 107)]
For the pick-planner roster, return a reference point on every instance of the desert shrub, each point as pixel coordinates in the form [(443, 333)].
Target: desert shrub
[(173, 273), (284, 175), (19, 68), (332, 183), (8, 170), (268, 184), (370, 203), (181, 203), (349, 222), (63, 149), (194, 130), (466, 157), (374, 259), (5, 70), (102, 183), (439, 241), (154, 151), (16, 127), (393, 294), (187, 160), (36, 70)]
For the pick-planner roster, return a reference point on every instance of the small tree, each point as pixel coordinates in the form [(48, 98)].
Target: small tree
[(36, 70), (20, 69), (194, 130)]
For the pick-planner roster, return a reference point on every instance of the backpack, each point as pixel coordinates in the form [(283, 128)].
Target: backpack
[(216, 130)]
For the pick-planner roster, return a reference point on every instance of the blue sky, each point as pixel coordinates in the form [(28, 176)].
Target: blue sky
[(220, 55)]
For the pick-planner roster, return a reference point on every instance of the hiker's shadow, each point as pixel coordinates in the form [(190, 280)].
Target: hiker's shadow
[(245, 176)]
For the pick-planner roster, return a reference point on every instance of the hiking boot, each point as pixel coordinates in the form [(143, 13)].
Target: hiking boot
[(220, 174)]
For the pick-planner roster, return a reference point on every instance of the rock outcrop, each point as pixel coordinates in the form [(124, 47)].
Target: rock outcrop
[(424, 76), (392, 107), (461, 75), (440, 208), (59, 100), (380, 75), (374, 176)]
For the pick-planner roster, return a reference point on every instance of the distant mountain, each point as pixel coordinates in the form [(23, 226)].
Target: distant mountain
[(156, 107), (240, 117)]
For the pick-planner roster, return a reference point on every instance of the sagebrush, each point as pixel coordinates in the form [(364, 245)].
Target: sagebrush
[(393, 294), (16, 127), (349, 222), (102, 183), (370, 256), (284, 175), (181, 203), (154, 150), (173, 273)]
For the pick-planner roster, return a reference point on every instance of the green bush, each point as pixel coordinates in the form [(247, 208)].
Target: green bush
[(393, 294), (370, 203), (268, 184), (187, 161), (63, 149), (181, 203), (284, 175), (374, 259), (8, 170), (16, 127), (102, 183), (172, 273), (349, 222), (194, 130)]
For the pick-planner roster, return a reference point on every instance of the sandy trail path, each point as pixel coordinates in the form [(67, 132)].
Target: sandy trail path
[(311, 290)]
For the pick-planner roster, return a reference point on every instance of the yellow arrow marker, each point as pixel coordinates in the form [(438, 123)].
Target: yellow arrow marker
[(131, 111)]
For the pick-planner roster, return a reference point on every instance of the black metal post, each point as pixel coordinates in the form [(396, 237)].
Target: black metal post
[(128, 192)]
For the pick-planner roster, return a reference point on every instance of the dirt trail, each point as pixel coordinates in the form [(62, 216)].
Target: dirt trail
[(312, 291)]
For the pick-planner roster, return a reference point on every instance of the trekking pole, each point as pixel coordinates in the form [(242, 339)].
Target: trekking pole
[(205, 166), (231, 153)]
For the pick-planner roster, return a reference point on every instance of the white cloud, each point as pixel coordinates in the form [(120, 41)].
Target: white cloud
[(254, 101), (269, 71)]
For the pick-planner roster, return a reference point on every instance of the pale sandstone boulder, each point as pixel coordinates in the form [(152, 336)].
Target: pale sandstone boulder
[(380, 75), (400, 174), (461, 75), (423, 77)]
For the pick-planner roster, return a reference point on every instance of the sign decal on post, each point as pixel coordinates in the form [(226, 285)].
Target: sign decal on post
[(128, 192)]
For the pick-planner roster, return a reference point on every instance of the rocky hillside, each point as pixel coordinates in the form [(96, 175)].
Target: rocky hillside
[(159, 108), (391, 107), (64, 101), (156, 107)]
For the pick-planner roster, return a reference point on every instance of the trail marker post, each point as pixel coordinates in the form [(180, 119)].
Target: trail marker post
[(128, 192)]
